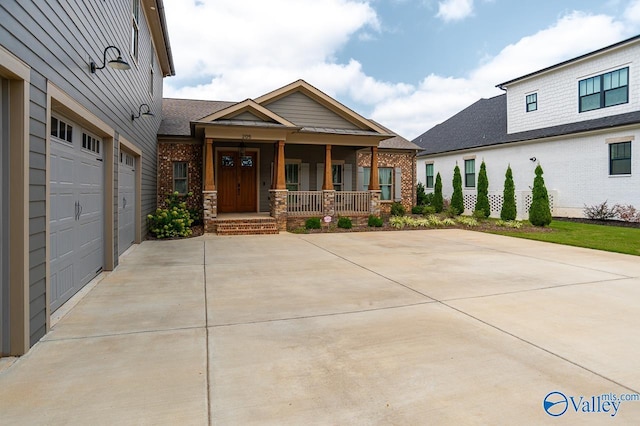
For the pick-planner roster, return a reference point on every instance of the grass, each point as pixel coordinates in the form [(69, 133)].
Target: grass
[(616, 239)]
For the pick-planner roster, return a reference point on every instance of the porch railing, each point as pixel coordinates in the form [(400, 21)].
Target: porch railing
[(304, 203), (352, 202)]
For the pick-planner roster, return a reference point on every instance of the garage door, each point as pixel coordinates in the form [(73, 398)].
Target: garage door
[(126, 202), (76, 218)]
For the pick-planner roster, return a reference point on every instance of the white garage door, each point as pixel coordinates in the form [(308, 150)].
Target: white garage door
[(76, 218), (126, 202)]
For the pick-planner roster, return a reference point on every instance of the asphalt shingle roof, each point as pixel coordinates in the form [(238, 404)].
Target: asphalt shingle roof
[(485, 123), (177, 114)]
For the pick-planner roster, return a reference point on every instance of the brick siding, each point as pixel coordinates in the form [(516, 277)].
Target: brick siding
[(191, 153)]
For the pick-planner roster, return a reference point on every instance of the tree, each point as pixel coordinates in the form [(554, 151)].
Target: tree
[(421, 195), (539, 212), (438, 202), (457, 201), (482, 202), (509, 211)]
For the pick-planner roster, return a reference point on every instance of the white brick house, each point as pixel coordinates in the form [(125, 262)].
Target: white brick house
[(579, 119)]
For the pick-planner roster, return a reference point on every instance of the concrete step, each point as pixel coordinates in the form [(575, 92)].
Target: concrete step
[(246, 226)]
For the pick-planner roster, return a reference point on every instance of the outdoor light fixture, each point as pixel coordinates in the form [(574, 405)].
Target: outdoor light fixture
[(533, 159), (147, 112), (117, 63)]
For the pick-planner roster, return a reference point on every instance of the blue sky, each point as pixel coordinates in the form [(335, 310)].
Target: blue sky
[(409, 64)]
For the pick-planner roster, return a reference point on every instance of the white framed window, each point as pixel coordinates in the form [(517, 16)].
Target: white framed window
[(90, 143), (292, 175), (61, 130), (429, 176), (180, 177), (337, 173), (135, 28), (532, 102)]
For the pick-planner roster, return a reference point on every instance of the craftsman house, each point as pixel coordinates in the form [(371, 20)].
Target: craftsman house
[(80, 107), (578, 119), (291, 154)]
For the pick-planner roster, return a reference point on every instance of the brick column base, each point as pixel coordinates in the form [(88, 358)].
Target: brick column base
[(278, 206), (210, 210), (329, 203), (374, 204)]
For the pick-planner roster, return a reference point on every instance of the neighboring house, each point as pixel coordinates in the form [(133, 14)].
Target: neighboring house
[(78, 172), (269, 155), (580, 120)]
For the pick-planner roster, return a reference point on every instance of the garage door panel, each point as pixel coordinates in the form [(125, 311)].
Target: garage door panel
[(126, 202)]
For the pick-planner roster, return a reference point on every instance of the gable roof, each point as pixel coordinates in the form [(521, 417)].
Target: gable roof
[(576, 59), (177, 114), (248, 105), (396, 142), (485, 124)]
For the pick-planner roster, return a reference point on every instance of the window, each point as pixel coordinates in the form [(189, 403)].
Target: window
[(470, 173), (429, 183), (620, 158), (532, 102), (385, 179), (135, 28), (292, 176), (180, 177), (90, 143), (604, 90), (61, 130), (336, 171), (152, 73)]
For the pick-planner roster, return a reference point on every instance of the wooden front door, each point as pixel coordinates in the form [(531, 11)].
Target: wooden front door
[(237, 182)]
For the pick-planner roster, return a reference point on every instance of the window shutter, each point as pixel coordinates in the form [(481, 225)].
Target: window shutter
[(398, 184), (360, 178), (304, 177), (348, 177), (319, 175)]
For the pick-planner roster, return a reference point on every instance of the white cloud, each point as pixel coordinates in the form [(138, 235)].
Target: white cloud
[(454, 10), (632, 13)]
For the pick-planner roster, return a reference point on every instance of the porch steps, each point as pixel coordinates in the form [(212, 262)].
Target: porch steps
[(246, 226)]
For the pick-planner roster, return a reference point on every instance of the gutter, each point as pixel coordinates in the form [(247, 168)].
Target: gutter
[(165, 35)]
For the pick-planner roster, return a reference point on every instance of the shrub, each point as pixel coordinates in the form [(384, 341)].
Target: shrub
[(375, 221), (539, 212), (627, 213), (421, 195), (479, 215), (482, 201), (345, 223), (397, 222), (429, 199), (447, 221), (417, 209), (427, 210), (312, 223), (509, 211), (172, 221), (397, 209), (434, 220), (467, 221), (438, 202), (600, 211), (457, 200), (509, 224)]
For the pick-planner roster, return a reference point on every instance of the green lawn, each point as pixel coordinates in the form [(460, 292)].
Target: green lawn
[(609, 238)]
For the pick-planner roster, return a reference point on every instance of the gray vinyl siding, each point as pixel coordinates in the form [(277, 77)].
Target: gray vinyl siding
[(4, 218), (301, 110), (247, 116), (57, 40)]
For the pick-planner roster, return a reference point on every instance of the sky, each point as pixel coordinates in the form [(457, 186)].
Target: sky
[(408, 64)]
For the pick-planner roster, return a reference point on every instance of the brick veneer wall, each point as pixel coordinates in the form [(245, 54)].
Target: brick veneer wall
[(191, 153), (404, 160)]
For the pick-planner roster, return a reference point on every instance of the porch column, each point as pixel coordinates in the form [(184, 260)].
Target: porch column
[(374, 180), (327, 184), (209, 195), (279, 181), (278, 193)]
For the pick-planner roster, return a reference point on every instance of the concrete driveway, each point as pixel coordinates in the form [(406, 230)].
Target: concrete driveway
[(413, 327)]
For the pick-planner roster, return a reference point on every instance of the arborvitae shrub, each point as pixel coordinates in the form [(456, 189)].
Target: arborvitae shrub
[(438, 202), (508, 211), (482, 202), (421, 195), (539, 212), (457, 200)]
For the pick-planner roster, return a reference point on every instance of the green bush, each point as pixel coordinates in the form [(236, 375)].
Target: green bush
[(312, 223), (345, 223), (397, 209), (457, 201), (467, 221), (417, 209), (482, 202), (174, 220), (508, 211), (421, 195), (539, 212), (429, 199), (375, 221), (479, 215), (438, 202), (427, 210)]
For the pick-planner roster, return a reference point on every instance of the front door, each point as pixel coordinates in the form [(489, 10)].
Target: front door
[(237, 182)]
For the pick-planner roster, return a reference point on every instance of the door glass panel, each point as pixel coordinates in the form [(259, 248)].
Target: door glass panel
[(246, 161), (227, 161)]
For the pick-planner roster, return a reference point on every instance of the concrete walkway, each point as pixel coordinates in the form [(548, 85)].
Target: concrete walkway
[(407, 328)]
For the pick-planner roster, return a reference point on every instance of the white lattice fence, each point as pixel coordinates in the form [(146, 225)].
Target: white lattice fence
[(523, 202)]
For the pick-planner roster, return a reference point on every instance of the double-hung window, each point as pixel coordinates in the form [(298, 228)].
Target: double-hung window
[(385, 180), (620, 158), (292, 176), (337, 173), (470, 173), (135, 28), (532, 102), (180, 177), (604, 90), (429, 180)]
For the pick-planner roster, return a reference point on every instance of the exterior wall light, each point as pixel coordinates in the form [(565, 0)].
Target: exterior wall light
[(118, 63), (147, 113)]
